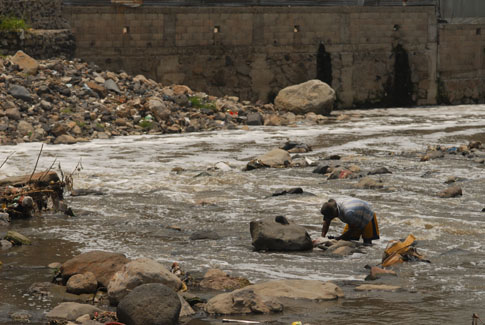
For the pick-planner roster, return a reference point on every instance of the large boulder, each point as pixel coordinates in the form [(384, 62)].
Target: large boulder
[(69, 311), (136, 273), (150, 304), (279, 234), (311, 96), (25, 62), (102, 264), (271, 296)]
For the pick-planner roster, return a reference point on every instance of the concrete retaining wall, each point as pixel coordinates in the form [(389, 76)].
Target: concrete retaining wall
[(254, 52)]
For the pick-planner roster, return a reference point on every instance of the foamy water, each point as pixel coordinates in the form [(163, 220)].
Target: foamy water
[(144, 198)]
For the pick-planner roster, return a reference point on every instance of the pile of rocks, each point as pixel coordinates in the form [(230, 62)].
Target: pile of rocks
[(61, 101)]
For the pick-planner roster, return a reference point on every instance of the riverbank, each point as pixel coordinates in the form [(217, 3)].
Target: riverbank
[(60, 101)]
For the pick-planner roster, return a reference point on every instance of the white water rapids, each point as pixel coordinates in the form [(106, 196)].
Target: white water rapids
[(144, 198)]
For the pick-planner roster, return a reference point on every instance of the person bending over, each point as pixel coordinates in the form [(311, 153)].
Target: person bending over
[(358, 215)]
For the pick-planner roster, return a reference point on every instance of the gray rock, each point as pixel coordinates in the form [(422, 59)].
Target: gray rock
[(20, 92), (452, 191), (186, 310), (159, 109), (13, 114), (274, 158), (271, 296), (369, 183), (65, 139), (321, 169), (5, 244), (70, 311), (254, 118), (103, 264), (82, 283), (45, 105), (110, 84), (311, 96), (4, 219), (199, 235), (136, 273), (25, 128), (150, 304), (17, 238), (278, 234), (380, 170)]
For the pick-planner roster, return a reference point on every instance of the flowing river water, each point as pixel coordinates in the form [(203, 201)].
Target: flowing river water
[(144, 199)]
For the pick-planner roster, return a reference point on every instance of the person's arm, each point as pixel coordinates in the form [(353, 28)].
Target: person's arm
[(326, 225)]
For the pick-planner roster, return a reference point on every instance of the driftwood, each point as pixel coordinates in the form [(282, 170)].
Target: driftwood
[(27, 195)]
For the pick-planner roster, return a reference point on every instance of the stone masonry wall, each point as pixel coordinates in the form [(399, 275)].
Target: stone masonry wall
[(39, 14), (254, 52), (40, 44), (461, 64)]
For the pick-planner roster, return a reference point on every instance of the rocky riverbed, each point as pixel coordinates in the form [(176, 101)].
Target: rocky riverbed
[(161, 200), (60, 101)]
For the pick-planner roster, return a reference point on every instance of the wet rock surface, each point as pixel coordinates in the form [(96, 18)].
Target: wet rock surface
[(268, 297), (152, 303), (139, 272), (312, 96), (279, 234), (102, 264)]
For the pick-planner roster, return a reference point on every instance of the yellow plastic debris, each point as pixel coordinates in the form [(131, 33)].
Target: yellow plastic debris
[(398, 246)]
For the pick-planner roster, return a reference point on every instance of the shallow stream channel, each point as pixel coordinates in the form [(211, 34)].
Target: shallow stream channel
[(149, 210)]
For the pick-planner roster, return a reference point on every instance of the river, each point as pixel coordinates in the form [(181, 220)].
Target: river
[(145, 200)]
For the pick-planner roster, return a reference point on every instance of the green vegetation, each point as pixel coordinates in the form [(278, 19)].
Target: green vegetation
[(146, 124), (81, 124), (198, 102), (9, 23)]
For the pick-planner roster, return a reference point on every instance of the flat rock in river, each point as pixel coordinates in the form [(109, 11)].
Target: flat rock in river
[(70, 311), (269, 296), (377, 287)]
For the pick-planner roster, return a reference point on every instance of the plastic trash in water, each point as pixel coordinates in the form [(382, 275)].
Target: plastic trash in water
[(452, 149), (297, 323)]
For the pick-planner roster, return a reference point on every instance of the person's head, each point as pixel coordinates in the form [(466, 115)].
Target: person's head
[(329, 210)]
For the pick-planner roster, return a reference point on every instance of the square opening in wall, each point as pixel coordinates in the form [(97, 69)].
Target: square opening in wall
[(296, 29), (217, 29), (126, 30), (478, 31)]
